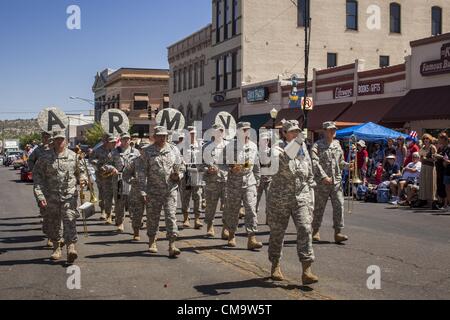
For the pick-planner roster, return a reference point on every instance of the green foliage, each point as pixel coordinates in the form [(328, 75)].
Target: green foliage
[(95, 134), (28, 139)]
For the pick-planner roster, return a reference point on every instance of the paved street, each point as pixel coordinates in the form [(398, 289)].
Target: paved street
[(410, 247)]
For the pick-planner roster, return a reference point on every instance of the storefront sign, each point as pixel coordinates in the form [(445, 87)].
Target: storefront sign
[(436, 67), (369, 88), (219, 98), (257, 95), (364, 89), (343, 92)]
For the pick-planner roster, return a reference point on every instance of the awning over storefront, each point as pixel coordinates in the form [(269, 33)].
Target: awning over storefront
[(210, 118), (368, 110), (327, 112), (421, 104), (285, 114), (257, 120)]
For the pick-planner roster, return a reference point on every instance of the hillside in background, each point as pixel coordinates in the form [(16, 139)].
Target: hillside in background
[(14, 129)]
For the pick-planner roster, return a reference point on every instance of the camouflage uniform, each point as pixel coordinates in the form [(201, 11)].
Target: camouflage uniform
[(55, 181), (121, 159), (328, 162), (242, 187), (264, 184), (155, 183), (291, 196), (38, 153), (190, 189), (100, 158), (215, 184), (136, 202)]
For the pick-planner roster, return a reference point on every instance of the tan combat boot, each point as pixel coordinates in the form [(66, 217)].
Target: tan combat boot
[(49, 243), (316, 235), (186, 223), (152, 245), (173, 250), (276, 274), (109, 219), (136, 236), (120, 228), (57, 253), (225, 234), (210, 230), (72, 254), (307, 276), (339, 237), (252, 244), (241, 213), (231, 240), (198, 223)]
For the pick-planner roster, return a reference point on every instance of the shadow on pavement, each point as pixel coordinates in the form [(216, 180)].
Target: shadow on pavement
[(41, 261), (142, 253), (20, 218), (214, 289), (24, 239)]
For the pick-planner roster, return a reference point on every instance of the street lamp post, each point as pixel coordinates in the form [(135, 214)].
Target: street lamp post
[(273, 115)]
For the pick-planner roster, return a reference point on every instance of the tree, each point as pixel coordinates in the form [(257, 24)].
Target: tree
[(29, 139), (95, 134)]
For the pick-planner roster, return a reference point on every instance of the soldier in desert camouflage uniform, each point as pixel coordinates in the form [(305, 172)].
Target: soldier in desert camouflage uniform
[(290, 196), (122, 157), (136, 202), (56, 175), (242, 181), (190, 186), (163, 168), (103, 163), (215, 178), (328, 162), (264, 184), (38, 152)]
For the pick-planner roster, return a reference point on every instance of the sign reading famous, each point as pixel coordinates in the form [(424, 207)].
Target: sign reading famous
[(431, 68)]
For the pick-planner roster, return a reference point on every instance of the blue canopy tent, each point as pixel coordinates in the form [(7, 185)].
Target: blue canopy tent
[(369, 132)]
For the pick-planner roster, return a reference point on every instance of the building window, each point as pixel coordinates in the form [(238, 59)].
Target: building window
[(175, 79), (140, 101), (118, 101), (395, 10), (301, 18), (225, 72), (331, 60), (384, 61), (184, 79), (189, 114), (196, 75), (218, 20), (226, 16), (166, 100), (181, 109), (436, 21), (202, 73), (235, 17), (190, 77), (352, 15), (217, 74), (234, 70)]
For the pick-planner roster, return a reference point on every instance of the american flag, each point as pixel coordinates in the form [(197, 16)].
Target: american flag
[(413, 134)]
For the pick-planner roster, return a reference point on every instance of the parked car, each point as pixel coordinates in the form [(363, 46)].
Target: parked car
[(12, 156)]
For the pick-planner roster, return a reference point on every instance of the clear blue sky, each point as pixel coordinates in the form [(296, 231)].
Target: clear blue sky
[(42, 63)]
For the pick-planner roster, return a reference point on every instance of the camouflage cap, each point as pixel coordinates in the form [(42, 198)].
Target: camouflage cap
[(218, 126), (161, 131), (290, 125), (59, 135), (329, 125), (244, 125), (135, 135), (111, 138), (125, 135)]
